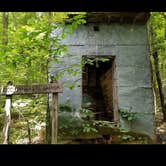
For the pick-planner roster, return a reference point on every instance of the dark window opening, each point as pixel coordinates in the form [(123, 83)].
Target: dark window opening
[(96, 28), (98, 87)]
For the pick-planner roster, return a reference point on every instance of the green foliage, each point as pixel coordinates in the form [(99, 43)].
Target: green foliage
[(31, 44), (25, 59), (127, 138), (128, 115), (102, 123), (74, 22), (74, 121), (86, 113), (65, 107), (26, 111), (94, 61), (88, 127)]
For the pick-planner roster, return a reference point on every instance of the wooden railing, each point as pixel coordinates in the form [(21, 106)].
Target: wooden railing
[(10, 89)]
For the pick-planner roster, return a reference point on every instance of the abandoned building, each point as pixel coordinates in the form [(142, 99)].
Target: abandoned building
[(122, 80)]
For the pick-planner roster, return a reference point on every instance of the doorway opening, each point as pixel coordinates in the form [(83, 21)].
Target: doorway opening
[(98, 86)]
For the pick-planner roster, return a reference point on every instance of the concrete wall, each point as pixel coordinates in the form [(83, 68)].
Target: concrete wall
[(129, 43)]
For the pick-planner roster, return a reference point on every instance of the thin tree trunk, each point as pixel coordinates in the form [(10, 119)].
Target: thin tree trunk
[(48, 114), (49, 107), (5, 28), (160, 85), (14, 20)]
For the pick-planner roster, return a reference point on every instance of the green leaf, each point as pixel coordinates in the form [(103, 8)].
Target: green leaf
[(129, 118), (40, 36)]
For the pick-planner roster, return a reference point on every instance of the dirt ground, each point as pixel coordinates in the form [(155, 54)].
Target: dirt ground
[(160, 129)]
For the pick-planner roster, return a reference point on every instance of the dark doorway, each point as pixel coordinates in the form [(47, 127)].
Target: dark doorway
[(98, 86)]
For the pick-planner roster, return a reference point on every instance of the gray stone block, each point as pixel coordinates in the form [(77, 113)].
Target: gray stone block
[(132, 56), (139, 98), (133, 76), (112, 34)]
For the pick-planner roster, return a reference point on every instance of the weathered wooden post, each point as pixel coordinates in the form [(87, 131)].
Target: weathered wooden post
[(54, 132), (10, 90), (53, 88)]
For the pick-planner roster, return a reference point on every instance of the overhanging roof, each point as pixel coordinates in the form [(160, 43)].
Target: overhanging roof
[(122, 17)]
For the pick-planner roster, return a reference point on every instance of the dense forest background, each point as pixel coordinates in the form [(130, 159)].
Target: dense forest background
[(27, 44)]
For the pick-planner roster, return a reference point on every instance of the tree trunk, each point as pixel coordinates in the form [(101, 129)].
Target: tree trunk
[(14, 20), (160, 85), (49, 105), (5, 28), (154, 54)]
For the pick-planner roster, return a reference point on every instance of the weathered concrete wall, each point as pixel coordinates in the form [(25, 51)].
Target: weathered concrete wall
[(129, 43)]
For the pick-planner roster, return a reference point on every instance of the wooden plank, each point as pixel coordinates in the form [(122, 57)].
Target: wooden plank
[(31, 89), (115, 95), (54, 135), (106, 84)]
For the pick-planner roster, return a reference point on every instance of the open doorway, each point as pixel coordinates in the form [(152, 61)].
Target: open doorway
[(98, 86)]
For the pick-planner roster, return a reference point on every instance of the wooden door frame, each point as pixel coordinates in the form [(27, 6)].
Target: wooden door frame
[(115, 96)]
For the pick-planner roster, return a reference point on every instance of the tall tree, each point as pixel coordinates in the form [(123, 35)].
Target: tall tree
[(157, 31), (5, 28)]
